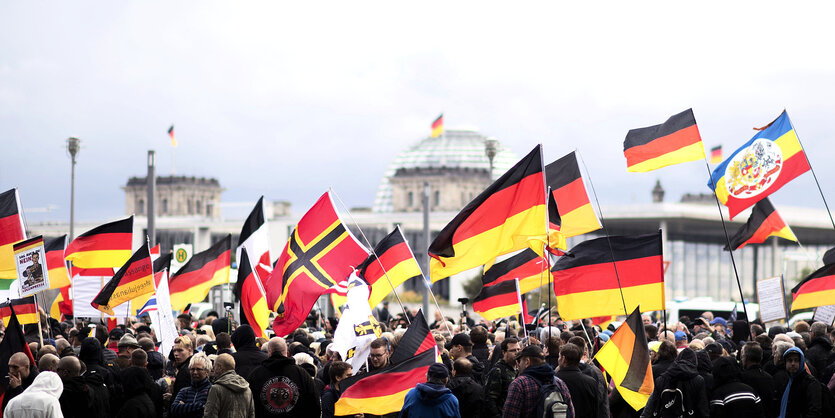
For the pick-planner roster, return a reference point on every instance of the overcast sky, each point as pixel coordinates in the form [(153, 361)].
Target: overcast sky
[(286, 100)]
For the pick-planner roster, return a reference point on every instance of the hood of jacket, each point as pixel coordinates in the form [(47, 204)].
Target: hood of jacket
[(232, 381), (543, 373), (91, 351), (802, 368), (48, 383), (725, 369), (432, 393), (685, 366), (705, 365), (242, 337)]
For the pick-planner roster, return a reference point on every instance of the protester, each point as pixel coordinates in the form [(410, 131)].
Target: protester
[(524, 391), (378, 356), (156, 361), (799, 393), (136, 384), (666, 355), (40, 399), (730, 397), (431, 399), (500, 377), (682, 377), (819, 354), (183, 353), (480, 350), (583, 389), (754, 376), (338, 371), (126, 345), (21, 375), (280, 388), (461, 346), (229, 396), (469, 393), (224, 343), (247, 356), (190, 401), (48, 363)]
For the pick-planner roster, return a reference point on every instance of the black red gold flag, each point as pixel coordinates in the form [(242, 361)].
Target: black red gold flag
[(569, 197), (134, 279), (586, 285), (59, 275), (500, 300), (25, 308), (254, 309), (438, 126), (383, 391), (625, 357), (13, 342), (104, 246), (763, 223), (417, 339), (11, 231), (202, 272), (675, 141), (508, 216), (529, 267), (716, 155), (817, 289)]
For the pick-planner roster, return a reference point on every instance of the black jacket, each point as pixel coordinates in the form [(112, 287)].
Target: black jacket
[(592, 371), (139, 391), (247, 356), (661, 366), (495, 389), (183, 378), (482, 352), (584, 393), (730, 397), (25, 383), (683, 374), (478, 369), (279, 376), (763, 385), (470, 395), (156, 362), (804, 398), (75, 399), (819, 355)]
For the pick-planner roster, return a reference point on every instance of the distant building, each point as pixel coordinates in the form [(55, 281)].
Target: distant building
[(176, 196)]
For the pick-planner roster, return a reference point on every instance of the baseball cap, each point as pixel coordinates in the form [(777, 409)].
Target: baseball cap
[(459, 339), (530, 351), (438, 371), (720, 321), (680, 335), (128, 341), (714, 348)]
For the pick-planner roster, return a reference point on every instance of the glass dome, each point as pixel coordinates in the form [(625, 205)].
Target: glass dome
[(454, 149)]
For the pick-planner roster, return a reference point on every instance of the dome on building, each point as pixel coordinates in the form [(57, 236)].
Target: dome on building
[(456, 149)]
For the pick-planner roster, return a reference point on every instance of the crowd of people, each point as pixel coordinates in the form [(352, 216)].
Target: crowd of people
[(704, 367)]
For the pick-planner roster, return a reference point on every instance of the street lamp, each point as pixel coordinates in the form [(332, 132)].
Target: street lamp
[(73, 145), (490, 149)]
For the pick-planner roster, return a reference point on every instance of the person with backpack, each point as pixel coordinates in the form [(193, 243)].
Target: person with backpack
[(584, 393), (431, 399), (731, 397), (680, 391), (537, 392)]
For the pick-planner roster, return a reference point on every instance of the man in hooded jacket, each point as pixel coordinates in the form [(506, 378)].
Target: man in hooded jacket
[(38, 400), (731, 397), (280, 388), (431, 399), (230, 396), (682, 375), (799, 393), (247, 356)]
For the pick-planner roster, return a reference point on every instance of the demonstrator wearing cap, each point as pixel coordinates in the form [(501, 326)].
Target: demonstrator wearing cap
[(461, 346), (523, 393), (431, 399)]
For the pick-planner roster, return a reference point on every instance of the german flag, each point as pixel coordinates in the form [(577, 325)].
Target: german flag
[(769, 160), (59, 276), (135, 278), (675, 141), (438, 126), (107, 245), (171, 134), (527, 266), (13, 342), (254, 309), (12, 230), (417, 339), (586, 285), (255, 237), (162, 263), (500, 300), (625, 357), (818, 289), (391, 264), (61, 305), (25, 308), (205, 270), (507, 216), (763, 223), (318, 257), (716, 155), (570, 197), (383, 391)]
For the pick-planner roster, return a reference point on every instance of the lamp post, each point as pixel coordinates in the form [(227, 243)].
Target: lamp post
[(490, 149), (73, 145), (152, 187)]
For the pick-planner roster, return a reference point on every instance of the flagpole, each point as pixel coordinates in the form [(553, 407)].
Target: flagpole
[(367, 242), (547, 243), (605, 231), (727, 239), (805, 155)]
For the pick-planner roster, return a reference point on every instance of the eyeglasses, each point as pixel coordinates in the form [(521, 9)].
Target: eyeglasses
[(376, 355)]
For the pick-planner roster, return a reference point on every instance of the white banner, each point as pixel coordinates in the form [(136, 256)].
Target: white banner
[(85, 289), (163, 324)]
